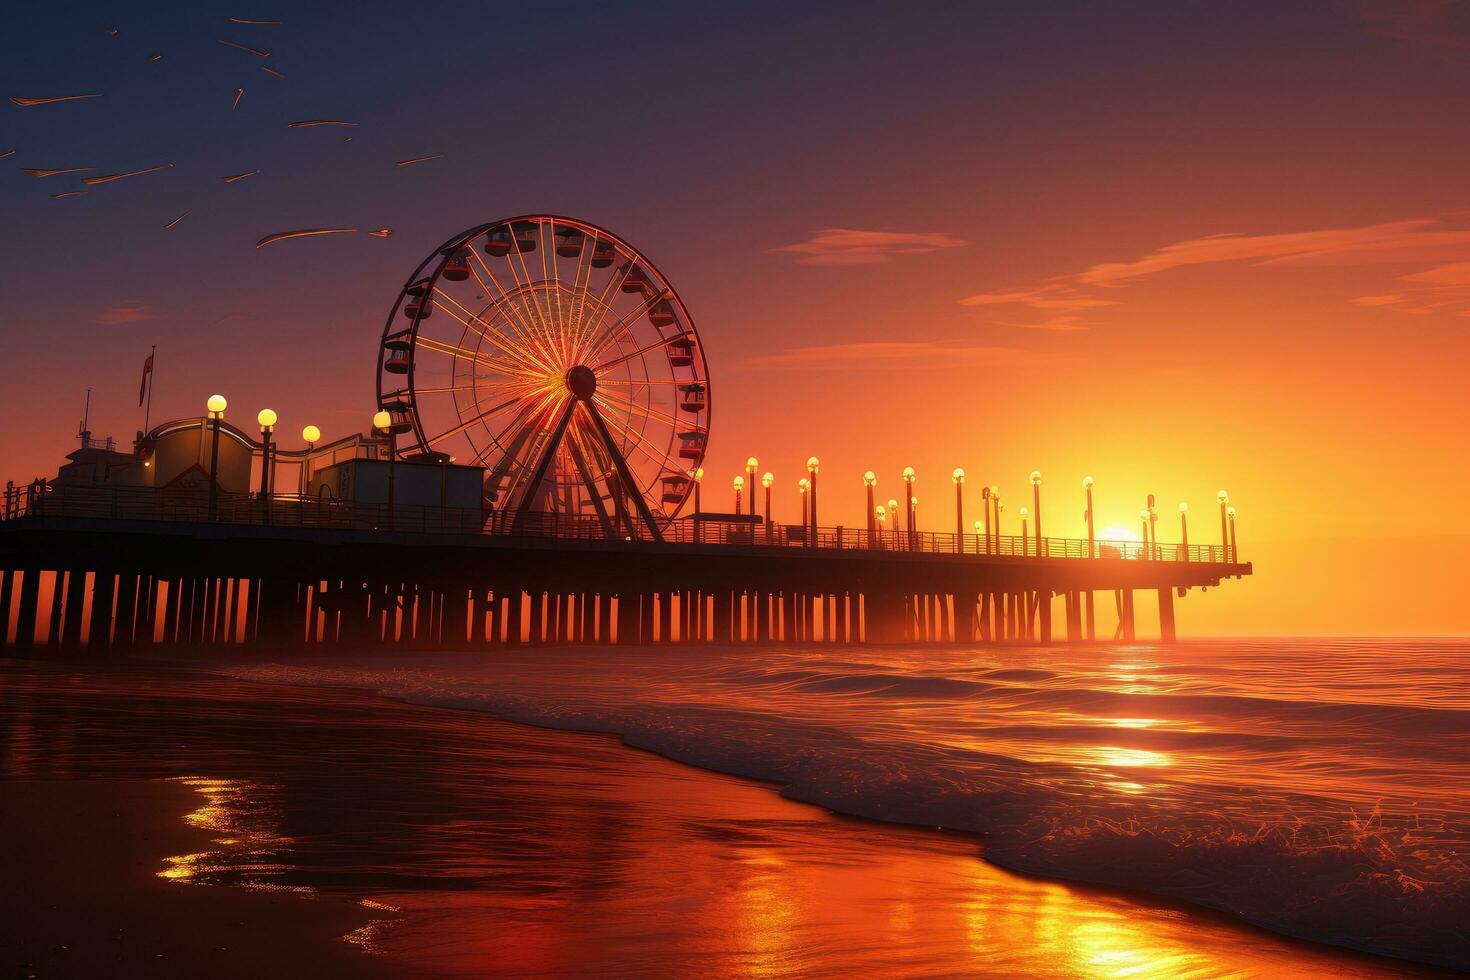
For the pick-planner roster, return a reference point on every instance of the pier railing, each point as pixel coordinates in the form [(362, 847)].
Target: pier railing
[(291, 510)]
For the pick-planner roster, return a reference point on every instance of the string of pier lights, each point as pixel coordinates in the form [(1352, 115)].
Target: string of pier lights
[(877, 514), (986, 530)]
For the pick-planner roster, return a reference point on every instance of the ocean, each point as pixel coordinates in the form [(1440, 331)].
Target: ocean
[(1318, 788)]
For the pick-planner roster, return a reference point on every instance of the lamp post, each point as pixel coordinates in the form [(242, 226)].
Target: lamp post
[(994, 517), (1087, 514), (216, 406), (1234, 555), (383, 422), (802, 486), (267, 419), (1036, 506), (1184, 530), (309, 435), (811, 467), (1153, 528), (752, 466), (983, 544), (1025, 538), (1224, 499), (908, 481), (1143, 516), (958, 476), (697, 474), (979, 535), (766, 481), (739, 484), (870, 480), (893, 513)]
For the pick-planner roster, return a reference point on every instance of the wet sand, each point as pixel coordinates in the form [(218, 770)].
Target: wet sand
[(492, 848), (83, 895)]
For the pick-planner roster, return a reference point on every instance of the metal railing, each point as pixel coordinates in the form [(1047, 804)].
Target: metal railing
[(292, 510)]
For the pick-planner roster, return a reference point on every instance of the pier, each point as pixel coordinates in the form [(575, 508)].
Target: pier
[(101, 569)]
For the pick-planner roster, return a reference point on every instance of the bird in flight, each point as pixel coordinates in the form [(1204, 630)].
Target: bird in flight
[(155, 56), (234, 177), (272, 71), (252, 20), (67, 194), (432, 156), (239, 93), (110, 31), (38, 172), (282, 236), (23, 102), (381, 233), (308, 123), (7, 153), (109, 178), (177, 220), (245, 47)]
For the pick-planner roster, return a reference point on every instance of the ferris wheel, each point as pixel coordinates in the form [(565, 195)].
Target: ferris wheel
[(553, 354)]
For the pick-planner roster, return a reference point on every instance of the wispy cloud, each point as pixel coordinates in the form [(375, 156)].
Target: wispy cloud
[(849, 246), (881, 353), (1060, 306), (1443, 241), (127, 312)]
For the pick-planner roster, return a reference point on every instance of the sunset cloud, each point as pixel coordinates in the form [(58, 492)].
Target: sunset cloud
[(848, 246), (1443, 241), (128, 312), (854, 356)]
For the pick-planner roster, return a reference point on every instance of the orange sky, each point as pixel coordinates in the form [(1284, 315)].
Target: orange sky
[(1211, 251)]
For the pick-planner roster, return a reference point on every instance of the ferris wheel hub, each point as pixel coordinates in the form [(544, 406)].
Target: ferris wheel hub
[(582, 382)]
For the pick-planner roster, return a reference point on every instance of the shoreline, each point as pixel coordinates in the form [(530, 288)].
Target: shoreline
[(80, 902), (1022, 868), (1302, 951)]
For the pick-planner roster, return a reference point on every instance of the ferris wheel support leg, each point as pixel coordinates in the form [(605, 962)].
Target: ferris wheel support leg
[(623, 472), (544, 463)]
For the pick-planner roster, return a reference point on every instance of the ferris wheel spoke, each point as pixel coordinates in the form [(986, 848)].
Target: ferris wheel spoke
[(547, 232), (526, 438), (648, 411), (636, 440), (459, 353), (581, 286), (586, 327), (527, 330), (489, 333), (598, 368), (524, 287), (622, 324), (472, 420)]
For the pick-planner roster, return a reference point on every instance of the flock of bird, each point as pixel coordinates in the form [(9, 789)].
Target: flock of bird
[(239, 94)]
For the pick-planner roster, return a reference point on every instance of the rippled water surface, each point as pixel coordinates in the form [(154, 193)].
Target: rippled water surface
[(1321, 788)]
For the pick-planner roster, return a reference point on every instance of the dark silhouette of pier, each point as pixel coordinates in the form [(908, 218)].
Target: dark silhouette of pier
[(100, 568)]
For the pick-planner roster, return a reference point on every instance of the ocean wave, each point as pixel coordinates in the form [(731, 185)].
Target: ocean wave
[(1338, 820)]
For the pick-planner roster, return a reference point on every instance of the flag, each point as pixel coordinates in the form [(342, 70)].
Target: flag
[(143, 383)]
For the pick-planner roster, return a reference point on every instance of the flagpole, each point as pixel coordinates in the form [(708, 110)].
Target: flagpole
[(152, 367)]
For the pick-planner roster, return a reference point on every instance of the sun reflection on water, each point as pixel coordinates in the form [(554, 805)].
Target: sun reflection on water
[(249, 842)]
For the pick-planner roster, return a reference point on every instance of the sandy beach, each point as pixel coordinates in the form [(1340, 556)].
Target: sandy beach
[(449, 843), (84, 894)]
